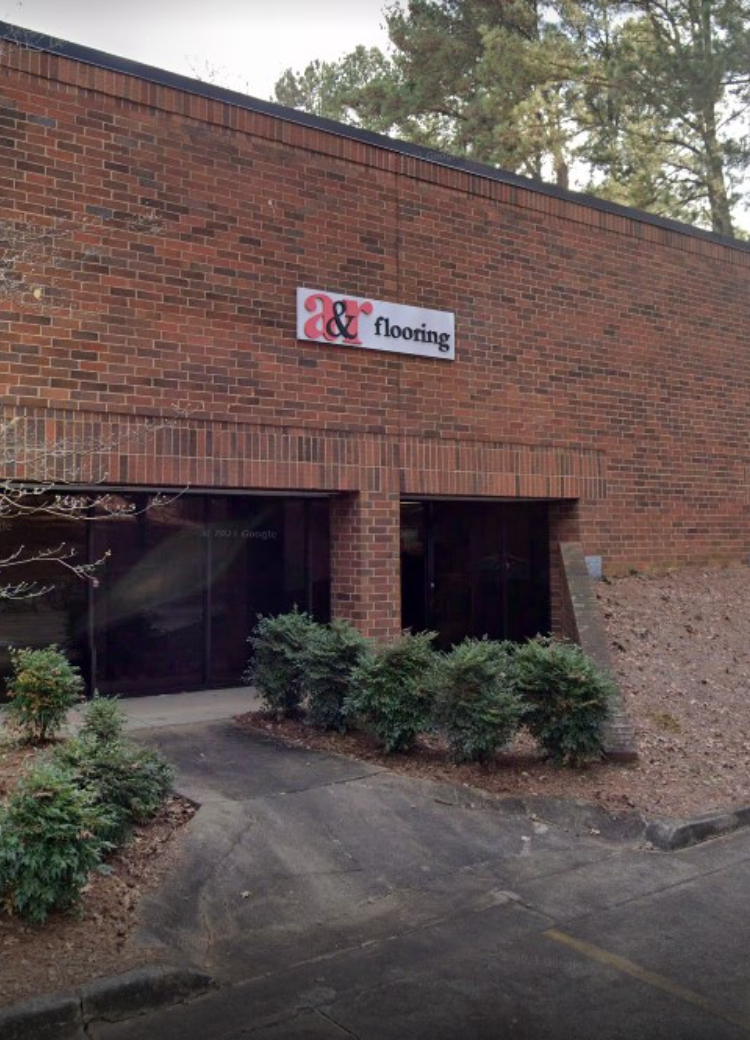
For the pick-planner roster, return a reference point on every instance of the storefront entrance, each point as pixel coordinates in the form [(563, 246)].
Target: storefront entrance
[(475, 569), (180, 590)]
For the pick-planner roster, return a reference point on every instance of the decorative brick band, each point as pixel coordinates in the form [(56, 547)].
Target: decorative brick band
[(433, 467), (167, 451), (581, 622)]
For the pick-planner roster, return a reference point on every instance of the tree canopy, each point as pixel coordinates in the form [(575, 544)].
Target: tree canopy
[(645, 102)]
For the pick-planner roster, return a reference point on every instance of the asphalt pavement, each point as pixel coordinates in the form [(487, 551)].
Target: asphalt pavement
[(332, 898)]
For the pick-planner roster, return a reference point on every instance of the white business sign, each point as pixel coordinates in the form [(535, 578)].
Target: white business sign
[(351, 321)]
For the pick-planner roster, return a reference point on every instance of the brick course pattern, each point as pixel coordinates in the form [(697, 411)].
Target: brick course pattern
[(601, 360)]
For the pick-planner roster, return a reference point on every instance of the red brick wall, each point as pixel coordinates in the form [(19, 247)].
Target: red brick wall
[(599, 358)]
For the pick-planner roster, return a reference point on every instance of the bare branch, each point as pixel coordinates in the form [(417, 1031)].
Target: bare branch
[(28, 495)]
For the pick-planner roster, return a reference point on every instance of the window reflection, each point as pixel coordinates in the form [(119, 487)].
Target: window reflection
[(180, 591), (59, 616)]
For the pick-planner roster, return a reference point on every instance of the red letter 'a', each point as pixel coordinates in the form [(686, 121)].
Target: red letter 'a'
[(315, 327)]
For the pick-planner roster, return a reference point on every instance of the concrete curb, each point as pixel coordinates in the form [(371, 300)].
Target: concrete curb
[(667, 835), (671, 835), (582, 818), (66, 1016)]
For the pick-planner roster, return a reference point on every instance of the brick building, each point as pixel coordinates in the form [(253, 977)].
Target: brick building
[(591, 382)]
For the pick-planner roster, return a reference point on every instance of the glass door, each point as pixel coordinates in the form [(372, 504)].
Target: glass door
[(475, 569), (246, 549)]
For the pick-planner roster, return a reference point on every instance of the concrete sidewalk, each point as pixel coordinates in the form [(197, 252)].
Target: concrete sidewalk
[(176, 709), (183, 709)]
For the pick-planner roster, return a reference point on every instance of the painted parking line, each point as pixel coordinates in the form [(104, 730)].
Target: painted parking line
[(650, 978)]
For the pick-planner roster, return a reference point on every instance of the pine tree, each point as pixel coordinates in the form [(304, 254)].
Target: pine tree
[(641, 101)]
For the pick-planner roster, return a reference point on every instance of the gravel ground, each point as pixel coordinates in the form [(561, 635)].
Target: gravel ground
[(680, 651)]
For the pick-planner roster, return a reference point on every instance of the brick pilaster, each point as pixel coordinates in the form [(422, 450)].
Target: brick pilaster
[(365, 562)]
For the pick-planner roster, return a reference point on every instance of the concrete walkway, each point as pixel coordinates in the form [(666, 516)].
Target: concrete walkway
[(333, 898), (183, 709), (177, 709)]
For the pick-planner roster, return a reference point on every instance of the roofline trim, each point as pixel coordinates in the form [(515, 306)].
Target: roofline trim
[(33, 40)]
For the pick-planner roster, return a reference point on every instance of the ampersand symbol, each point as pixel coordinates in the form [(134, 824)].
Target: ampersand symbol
[(341, 322)]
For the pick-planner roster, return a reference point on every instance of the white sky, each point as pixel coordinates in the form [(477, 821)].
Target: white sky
[(248, 42)]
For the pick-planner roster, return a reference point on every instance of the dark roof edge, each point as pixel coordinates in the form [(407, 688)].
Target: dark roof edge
[(113, 63)]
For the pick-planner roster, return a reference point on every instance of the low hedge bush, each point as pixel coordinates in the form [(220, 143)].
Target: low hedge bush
[(76, 804), (333, 652), (478, 694), (128, 782), (43, 686), (567, 698), (103, 720), (391, 690), (279, 662), (51, 836), (475, 704)]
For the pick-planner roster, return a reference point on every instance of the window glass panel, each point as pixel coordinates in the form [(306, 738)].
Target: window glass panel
[(150, 606), (60, 615), (319, 558), (180, 590), (413, 566), (244, 540)]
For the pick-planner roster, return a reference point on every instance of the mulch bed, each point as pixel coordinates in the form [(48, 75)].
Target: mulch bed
[(521, 771), (681, 653)]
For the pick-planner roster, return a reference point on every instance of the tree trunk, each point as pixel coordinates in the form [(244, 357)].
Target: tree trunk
[(716, 187)]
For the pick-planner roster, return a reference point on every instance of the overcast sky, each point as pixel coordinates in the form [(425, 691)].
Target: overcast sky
[(249, 42)]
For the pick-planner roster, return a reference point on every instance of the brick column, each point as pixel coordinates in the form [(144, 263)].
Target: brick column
[(366, 562)]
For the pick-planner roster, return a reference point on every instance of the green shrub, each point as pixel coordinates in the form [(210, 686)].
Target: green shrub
[(50, 838), (567, 698), (103, 720), (42, 688), (333, 652), (277, 667), (475, 705), (391, 690), (129, 783)]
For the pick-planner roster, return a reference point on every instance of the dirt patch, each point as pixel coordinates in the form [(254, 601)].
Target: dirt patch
[(14, 762), (68, 950), (681, 653)]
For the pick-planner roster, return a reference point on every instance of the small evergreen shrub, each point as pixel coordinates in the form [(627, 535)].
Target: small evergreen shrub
[(103, 720), (42, 688), (278, 665), (475, 705), (127, 782), (391, 690), (567, 699), (50, 838), (333, 652)]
